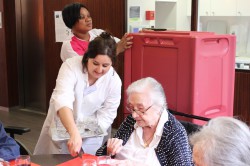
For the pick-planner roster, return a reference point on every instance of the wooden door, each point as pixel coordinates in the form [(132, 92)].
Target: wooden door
[(30, 37)]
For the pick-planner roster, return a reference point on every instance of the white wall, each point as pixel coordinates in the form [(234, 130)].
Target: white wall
[(173, 15), (144, 6), (169, 14), (166, 15), (183, 15)]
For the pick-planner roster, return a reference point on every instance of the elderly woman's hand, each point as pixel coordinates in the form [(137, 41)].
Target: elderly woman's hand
[(114, 145), (124, 43)]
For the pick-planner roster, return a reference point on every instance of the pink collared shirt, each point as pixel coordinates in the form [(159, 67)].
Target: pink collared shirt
[(75, 46)]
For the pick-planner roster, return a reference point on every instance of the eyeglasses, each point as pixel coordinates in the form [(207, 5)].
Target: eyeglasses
[(139, 111)]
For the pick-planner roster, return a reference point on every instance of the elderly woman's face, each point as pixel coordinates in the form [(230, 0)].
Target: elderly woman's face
[(143, 111)]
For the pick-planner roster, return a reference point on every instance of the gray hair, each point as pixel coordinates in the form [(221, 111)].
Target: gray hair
[(225, 141), (157, 94)]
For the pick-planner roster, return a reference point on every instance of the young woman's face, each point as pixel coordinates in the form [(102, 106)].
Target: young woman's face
[(98, 66), (84, 23)]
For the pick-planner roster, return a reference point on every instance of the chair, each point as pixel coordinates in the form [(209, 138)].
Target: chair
[(189, 127), (12, 130)]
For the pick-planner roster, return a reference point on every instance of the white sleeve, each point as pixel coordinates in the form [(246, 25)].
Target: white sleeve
[(67, 51), (108, 112), (116, 39), (94, 33), (64, 95)]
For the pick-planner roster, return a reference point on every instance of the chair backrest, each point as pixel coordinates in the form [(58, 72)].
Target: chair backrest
[(190, 127), (23, 149), (12, 130)]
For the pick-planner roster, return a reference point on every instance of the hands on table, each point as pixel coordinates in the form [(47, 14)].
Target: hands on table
[(114, 145), (74, 144)]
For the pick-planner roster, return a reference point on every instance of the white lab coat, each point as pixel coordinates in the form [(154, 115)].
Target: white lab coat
[(100, 100), (67, 50)]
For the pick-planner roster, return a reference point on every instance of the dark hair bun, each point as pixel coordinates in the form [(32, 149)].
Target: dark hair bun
[(105, 35)]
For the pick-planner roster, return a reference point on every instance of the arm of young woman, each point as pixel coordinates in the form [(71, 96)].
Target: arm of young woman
[(75, 142)]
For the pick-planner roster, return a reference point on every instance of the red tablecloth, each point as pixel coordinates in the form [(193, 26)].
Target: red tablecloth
[(12, 163), (76, 161)]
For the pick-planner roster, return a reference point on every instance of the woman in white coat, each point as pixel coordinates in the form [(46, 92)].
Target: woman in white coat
[(77, 17), (86, 88)]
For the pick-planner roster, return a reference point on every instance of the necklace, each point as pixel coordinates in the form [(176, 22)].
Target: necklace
[(147, 142)]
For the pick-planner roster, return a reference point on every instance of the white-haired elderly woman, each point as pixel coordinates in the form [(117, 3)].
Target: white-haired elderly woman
[(150, 135), (224, 141)]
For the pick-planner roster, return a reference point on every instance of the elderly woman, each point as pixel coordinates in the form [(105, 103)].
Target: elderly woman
[(151, 135), (224, 141), (88, 91)]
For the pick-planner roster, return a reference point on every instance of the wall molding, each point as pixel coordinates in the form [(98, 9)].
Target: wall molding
[(6, 109)]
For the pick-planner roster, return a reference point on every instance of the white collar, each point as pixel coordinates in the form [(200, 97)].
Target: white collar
[(160, 125)]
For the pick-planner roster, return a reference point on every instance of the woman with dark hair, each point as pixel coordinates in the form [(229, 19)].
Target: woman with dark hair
[(86, 97), (76, 17)]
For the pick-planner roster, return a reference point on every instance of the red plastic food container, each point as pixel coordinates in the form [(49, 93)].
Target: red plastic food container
[(195, 69)]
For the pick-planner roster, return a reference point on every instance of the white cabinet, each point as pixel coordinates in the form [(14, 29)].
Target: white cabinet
[(189, 7), (221, 7), (224, 8), (166, 1), (243, 8), (217, 7), (204, 8)]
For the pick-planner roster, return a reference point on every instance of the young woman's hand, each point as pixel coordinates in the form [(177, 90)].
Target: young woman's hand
[(124, 43), (74, 143)]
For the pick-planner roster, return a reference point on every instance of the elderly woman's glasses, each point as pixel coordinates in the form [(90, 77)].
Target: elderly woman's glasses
[(139, 111)]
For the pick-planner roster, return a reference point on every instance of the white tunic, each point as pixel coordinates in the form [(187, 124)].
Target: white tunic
[(72, 90), (67, 51)]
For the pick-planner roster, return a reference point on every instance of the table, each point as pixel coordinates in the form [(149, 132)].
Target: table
[(51, 159), (60, 159), (63, 160)]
